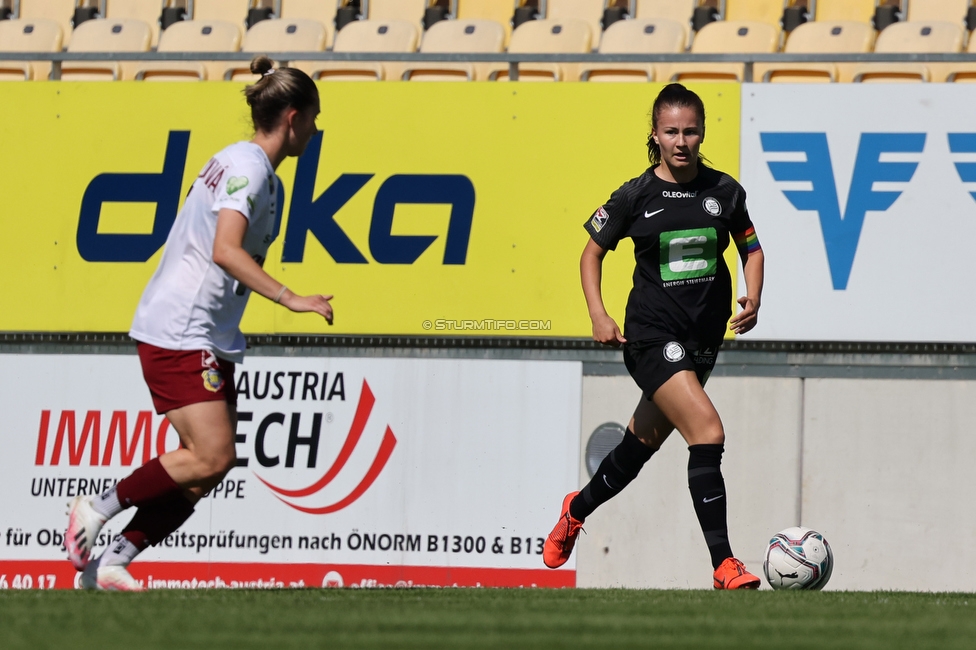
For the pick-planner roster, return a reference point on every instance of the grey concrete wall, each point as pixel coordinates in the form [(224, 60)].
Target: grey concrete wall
[(883, 468)]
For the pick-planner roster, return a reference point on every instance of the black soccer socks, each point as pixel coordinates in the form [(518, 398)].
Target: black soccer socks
[(708, 492), (619, 468)]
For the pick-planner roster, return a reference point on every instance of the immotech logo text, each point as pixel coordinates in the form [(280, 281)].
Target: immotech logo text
[(290, 424), (351, 442)]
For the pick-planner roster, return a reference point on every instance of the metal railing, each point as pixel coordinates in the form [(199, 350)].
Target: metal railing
[(512, 60)]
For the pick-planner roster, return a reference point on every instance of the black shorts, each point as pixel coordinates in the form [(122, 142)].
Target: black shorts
[(652, 362)]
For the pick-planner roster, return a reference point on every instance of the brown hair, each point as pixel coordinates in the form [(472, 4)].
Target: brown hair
[(278, 89), (672, 95)]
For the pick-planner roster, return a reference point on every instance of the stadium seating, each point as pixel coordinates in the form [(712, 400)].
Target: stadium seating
[(483, 36), (589, 11), (819, 37), (724, 37), (148, 11), (679, 11), (321, 10), (60, 11), (192, 36), (367, 36), (764, 11), (37, 35), (546, 37), (638, 36), (231, 11), (950, 11), (500, 11), (278, 36), (856, 10), (963, 72), (411, 11), (922, 36), (106, 36)]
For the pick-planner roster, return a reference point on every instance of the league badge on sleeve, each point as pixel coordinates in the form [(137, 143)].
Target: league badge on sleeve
[(599, 219), (235, 183)]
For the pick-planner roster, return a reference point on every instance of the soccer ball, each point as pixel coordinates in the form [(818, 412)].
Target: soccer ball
[(798, 558)]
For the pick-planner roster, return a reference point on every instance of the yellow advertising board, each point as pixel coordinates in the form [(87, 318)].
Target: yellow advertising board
[(424, 208)]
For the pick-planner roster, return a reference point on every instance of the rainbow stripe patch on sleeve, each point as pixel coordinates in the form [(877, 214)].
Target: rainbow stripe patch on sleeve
[(747, 239)]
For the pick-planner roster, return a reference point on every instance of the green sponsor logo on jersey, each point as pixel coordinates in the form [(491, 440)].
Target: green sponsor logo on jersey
[(687, 254), (235, 183)]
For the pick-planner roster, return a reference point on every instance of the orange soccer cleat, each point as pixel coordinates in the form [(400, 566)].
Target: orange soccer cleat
[(559, 545), (732, 574)]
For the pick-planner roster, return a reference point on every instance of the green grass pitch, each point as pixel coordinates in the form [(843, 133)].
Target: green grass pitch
[(485, 618)]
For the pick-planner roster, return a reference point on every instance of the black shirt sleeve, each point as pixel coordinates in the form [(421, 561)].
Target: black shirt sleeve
[(740, 221), (611, 221)]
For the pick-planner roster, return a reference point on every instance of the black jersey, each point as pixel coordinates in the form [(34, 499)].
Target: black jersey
[(682, 287)]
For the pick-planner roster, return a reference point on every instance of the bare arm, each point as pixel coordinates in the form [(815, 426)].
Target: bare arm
[(605, 330), (229, 254), (752, 269)]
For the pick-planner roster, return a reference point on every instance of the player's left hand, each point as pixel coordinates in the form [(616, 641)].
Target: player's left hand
[(746, 319)]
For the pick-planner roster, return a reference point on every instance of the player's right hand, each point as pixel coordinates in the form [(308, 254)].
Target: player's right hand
[(605, 331), (317, 303)]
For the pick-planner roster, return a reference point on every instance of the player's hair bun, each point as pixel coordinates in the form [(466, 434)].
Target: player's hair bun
[(271, 94), (261, 64)]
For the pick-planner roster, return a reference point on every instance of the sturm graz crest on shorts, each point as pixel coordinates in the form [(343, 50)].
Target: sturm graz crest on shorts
[(674, 352), (712, 206)]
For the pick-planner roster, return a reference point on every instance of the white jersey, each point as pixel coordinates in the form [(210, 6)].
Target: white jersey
[(191, 303)]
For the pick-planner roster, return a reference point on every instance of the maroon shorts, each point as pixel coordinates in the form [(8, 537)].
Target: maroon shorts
[(178, 378)]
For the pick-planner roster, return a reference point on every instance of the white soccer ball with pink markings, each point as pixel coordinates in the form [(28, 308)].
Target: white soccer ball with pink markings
[(798, 558)]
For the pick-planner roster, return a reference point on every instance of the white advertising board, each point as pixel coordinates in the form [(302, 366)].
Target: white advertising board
[(354, 472), (863, 200)]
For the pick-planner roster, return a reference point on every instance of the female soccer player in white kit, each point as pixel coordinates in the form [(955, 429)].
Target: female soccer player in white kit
[(187, 327)]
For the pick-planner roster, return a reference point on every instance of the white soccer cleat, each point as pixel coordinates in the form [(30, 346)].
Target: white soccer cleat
[(83, 527), (108, 578)]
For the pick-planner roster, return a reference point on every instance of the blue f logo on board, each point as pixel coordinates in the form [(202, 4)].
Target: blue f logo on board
[(841, 231), (964, 143)]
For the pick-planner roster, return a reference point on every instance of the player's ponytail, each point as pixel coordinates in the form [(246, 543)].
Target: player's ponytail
[(671, 96), (278, 89)]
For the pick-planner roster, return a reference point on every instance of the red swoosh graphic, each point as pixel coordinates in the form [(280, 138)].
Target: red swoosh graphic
[(383, 455), (363, 409)]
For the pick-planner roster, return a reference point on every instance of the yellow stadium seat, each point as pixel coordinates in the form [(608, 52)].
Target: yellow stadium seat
[(856, 10), (589, 11), (475, 36), (546, 37), (963, 72), (679, 11), (192, 36), (148, 11), (950, 11), (37, 35), (638, 36), (60, 11), (724, 37), (278, 36), (922, 36), (819, 37), (411, 11), (323, 11), (763, 11), (106, 35), (231, 11), (500, 11), (367, 36)]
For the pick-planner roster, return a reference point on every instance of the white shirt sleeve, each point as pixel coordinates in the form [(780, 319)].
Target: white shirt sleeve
[(241, 188)]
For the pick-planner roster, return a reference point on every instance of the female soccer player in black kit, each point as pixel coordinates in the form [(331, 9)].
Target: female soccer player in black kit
[(680, 214)]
